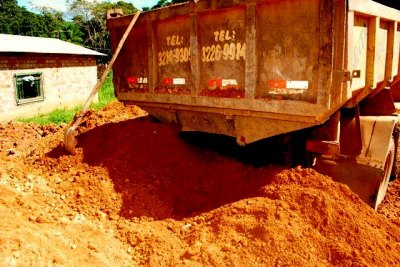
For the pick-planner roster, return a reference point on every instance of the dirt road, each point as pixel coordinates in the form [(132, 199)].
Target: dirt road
[(138, 193)]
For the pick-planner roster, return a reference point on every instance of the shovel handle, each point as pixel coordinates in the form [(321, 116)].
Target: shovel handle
[(109, 67), (69, 135)]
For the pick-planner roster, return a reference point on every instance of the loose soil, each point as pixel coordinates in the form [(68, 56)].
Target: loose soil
[(139, 193)]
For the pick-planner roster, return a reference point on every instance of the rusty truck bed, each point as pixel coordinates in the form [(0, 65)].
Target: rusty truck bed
[(255, 69)]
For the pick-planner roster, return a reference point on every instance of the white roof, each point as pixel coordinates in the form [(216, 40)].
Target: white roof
[(27, 44)]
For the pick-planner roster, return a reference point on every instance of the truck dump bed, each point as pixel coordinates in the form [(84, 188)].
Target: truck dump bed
[(255, 69)]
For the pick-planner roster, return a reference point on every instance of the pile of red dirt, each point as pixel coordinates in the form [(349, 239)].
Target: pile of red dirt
[(137, 193)]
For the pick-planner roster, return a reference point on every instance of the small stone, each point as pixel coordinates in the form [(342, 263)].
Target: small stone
[(79, 218), (65, 220), (41, 219), (58, 260), (73, 246), (73, 172), (30, 176), (192, 251), (81, 192), (120, 226), (101, 215), (186, 227), (134, 239), (227, 247), (243, 242), (28, 187), (114, 217), (278, 216), (92, 247), (172, 229)]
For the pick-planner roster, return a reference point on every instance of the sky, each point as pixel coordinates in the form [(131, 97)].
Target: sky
[(61, 6)]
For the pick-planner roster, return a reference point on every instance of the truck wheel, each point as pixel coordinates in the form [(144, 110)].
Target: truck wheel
[(387, 171), (396, 163)]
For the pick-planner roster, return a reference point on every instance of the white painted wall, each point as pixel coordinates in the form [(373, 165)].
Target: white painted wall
[(63, 87)]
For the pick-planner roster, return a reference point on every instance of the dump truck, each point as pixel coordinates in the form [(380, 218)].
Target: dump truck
[(254, 69)]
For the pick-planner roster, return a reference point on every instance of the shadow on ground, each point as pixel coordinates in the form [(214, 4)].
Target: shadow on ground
[(161, 173)]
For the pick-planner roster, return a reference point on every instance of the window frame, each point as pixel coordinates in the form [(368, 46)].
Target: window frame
[(21, 101)]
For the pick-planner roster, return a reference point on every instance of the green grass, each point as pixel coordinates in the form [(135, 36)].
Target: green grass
[(106, 94), (63, 115)]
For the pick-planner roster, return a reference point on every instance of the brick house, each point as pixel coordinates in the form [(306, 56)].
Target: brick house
[(38, 75)]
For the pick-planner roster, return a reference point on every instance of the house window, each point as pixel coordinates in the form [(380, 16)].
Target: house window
[(29, 87)]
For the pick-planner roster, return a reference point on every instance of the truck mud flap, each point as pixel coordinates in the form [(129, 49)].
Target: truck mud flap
[(368, 173), (369, 183)]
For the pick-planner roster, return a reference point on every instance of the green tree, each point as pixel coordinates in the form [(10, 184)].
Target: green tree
[(15, 19), (162, 3), (47, 23), (72, 33), (91, 18)]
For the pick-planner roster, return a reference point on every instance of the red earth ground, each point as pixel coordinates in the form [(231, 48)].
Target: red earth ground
[(137, 193)]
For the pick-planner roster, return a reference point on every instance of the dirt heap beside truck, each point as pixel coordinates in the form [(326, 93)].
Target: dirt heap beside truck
[(258, 69), (118, 203)]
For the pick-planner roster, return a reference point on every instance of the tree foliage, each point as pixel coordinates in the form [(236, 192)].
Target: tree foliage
[(91, 18), (46, 22), (162, 3)]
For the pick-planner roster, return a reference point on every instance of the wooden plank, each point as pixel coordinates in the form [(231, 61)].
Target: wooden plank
[(373, 26), (371, 8), (349, 54), (390, 50), (339, 59), (358, 50), (381, 46), (398, 41)]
